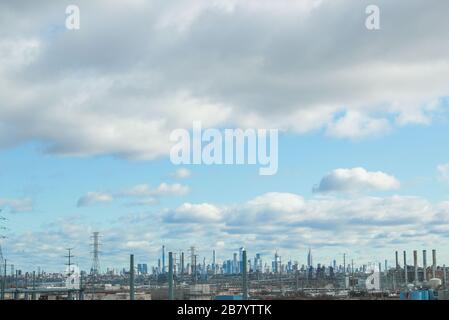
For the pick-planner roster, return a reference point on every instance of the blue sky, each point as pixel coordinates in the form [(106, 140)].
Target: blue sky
[(86, 115), (56, 183)]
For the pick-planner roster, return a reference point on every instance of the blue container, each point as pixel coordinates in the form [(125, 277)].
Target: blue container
[(431, 295), (425, 295), (228, 298), (416, 295), (403, 295)]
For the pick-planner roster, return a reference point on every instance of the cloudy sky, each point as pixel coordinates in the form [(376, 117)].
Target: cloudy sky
[(85, 119)]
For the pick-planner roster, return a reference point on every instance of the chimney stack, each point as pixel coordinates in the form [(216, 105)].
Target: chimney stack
[(131, 277), (415, 263), (434, 263), (424, 261), (170, 276), (405, 267)]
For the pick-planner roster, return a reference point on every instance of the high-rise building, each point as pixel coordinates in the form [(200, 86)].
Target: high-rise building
[(258, 263), (142, 268), (309, 259), (240, 265), (235, 264)]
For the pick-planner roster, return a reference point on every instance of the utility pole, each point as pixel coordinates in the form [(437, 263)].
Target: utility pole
[(245, 276), (352, 271), (2, 262), (81, 291), (4, 281), (26, 286), (170, 276), (131, 277), (16, 285), (33, 295)]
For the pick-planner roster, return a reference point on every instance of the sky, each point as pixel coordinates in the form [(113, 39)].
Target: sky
[(86, 115)]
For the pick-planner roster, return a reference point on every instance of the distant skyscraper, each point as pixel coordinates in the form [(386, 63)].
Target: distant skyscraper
[(235, 264), (142, 268), (240, 266), (309, 258), (276, 266), (258, 263)]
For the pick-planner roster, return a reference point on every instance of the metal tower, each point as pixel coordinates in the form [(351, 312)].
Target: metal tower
[(95, 270), (69, 263), (2, 261)]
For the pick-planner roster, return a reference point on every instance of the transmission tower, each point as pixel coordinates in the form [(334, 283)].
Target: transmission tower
[(69, 263), (95, 270), (2, 228), (1, 262)]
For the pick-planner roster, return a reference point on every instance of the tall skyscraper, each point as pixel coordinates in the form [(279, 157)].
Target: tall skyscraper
[(240, 266), (309, 259)]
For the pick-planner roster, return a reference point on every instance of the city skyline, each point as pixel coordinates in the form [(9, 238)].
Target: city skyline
[(86, 116)]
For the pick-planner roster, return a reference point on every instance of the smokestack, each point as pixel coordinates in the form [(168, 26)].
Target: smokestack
[(170, 276), (131, 277), (424, 262), (405, 267), (213, 261), (182, 262), (434, 263), (397, 260), (4, 281), (415, 263), (163, 259), (444, 276), (244, 276)]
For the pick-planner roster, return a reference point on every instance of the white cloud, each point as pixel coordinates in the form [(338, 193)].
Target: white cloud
[(182, 173), (175, 189), (356, 180), (144, 194), (17, 205), (164, 189), (355, 125), (94, 197), (291, 224), (205, 60), (276, 201), (200, 213)]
